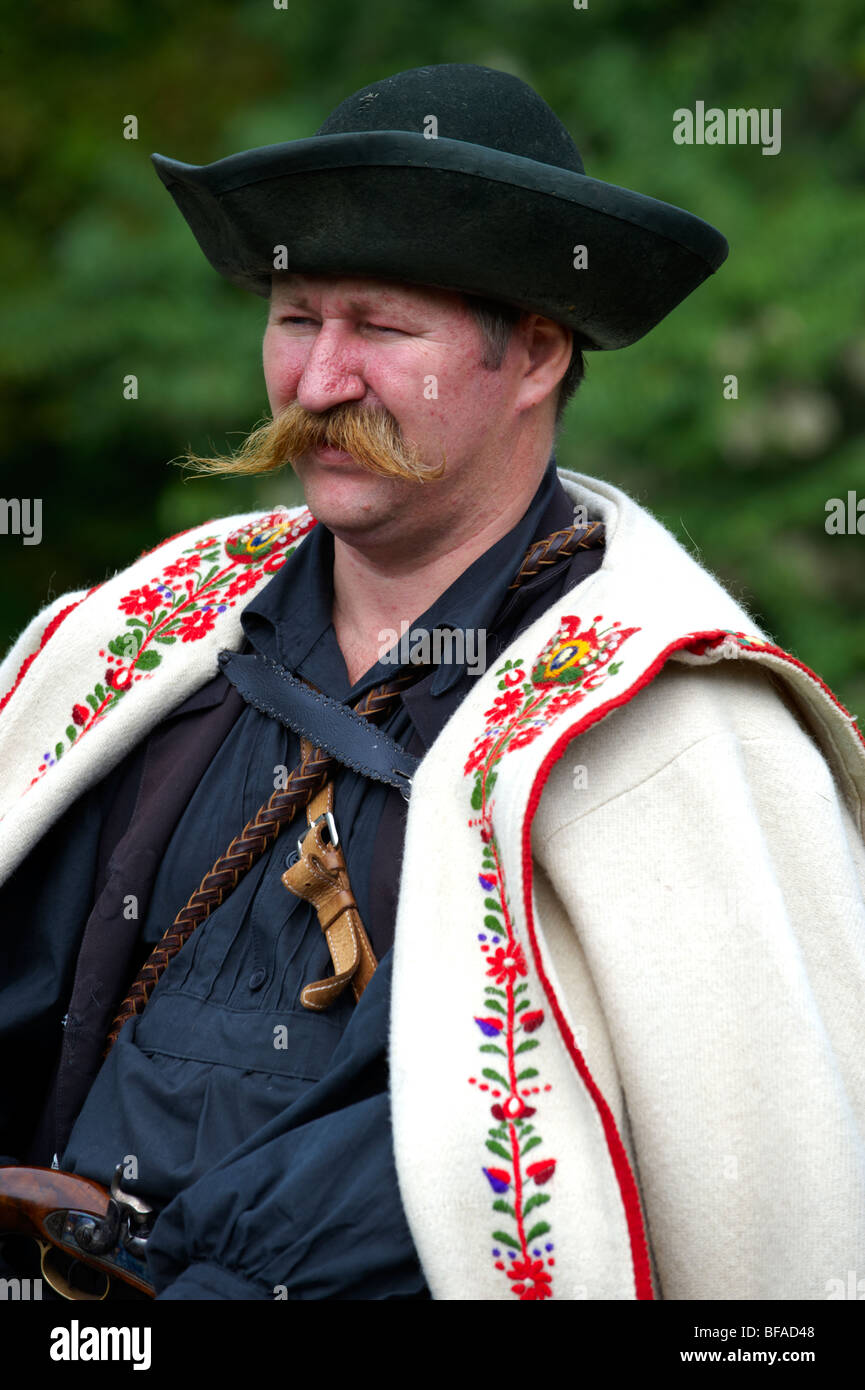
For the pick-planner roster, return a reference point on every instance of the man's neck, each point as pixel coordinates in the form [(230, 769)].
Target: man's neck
[(376, 594)]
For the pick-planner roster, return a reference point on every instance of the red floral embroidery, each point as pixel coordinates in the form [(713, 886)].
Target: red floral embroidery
[(243, 583), (182, 603), (504, 705), (541, 1171), (196, 625), (535, 1282), (118, 678), (527, 734), (144, 600), (572, 662), (506, 965), (476, 757), (182, 567)]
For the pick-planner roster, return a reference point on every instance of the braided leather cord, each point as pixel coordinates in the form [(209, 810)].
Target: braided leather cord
[(254, 839), (301, 786), (559, 546)]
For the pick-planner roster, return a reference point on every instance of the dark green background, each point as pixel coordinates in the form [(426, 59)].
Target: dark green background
[(104, 279)]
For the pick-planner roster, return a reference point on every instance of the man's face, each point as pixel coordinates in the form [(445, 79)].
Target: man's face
[(411, 350)]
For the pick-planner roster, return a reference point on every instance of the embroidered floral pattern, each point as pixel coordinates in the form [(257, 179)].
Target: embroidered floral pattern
[(180, 604), (576, 660), (746, 640)]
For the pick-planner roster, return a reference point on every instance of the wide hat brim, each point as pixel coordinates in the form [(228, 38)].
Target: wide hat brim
[(451, 214)]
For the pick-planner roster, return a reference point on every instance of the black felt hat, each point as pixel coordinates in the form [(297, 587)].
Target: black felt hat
[(489, 197)]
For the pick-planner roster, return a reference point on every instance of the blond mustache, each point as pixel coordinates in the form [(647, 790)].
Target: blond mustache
[(372, 436)]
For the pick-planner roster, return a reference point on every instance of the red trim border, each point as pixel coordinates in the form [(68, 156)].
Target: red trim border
[(618, 1154), (49, 632)]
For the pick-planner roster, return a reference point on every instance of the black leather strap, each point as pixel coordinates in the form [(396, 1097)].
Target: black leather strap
[(328, 724)]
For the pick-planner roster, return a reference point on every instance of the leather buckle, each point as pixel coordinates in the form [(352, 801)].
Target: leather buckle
[(405, 790), (331, 828)]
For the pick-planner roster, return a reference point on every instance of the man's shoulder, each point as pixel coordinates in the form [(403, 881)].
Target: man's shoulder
[(643, 660), (90, 676), (241, 550), (686, 718)]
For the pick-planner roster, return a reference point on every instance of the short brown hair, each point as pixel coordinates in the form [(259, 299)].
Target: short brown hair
[(496, 321)]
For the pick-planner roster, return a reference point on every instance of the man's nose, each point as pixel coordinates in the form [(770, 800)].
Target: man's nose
[(333, 370)]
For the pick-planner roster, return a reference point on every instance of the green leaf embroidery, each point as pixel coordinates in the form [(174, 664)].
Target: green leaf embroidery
[(71, 732), (527, 1074), (539, 1230), (97, 698), (149, 660), (499, 1149), (164, 637), (491, 1047), (494, 1076), (501, 1205), (532, 1144), (494, 1004), (491, 902), (528, 1045), (505, 1239), (536, 1201)]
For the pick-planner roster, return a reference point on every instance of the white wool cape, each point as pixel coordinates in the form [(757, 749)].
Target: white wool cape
[(628, 1000)]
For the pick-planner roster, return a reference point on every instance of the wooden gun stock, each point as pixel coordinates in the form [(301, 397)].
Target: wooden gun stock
[(76, 1215)]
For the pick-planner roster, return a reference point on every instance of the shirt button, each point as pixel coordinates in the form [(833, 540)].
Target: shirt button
[(257, 978)]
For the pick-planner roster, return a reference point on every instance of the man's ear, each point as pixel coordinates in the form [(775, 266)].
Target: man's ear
[(547, 348)]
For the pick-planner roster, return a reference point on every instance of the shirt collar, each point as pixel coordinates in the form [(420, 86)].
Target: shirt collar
[(292, 613)]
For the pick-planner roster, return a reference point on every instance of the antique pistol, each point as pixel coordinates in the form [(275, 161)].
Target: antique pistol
[(73, 1218)]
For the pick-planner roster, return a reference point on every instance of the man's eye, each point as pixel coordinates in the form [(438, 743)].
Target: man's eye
[(297, 319)]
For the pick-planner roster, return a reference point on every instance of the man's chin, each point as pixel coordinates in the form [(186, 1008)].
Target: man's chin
[(355, 505)]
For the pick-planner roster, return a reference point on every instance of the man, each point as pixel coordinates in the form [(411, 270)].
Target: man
[(607, 993)]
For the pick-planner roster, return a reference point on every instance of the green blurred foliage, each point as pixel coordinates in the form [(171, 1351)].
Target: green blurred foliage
[(103, 278)]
